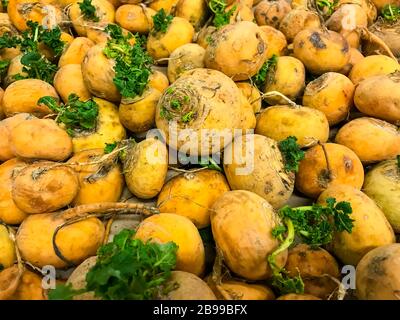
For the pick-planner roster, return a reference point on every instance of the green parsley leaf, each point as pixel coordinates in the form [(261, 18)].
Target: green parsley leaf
[(110, 147), (88, 10), (4, 4), (4, 64), (260, 78), (391, 12), (221, 16), (9, 41), (37, 66), (291, 153), (327, 7), (64, 292), (161, 21)]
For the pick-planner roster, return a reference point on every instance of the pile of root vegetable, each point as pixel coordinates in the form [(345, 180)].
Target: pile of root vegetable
[(274, 172)]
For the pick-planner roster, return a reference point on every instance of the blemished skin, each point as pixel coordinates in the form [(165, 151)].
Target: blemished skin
[(271, 13)]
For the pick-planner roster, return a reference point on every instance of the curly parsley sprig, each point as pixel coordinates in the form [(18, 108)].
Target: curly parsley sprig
[(221, 16), (391, 12), (88, 10), (161, 21), (260, 78), (292, 154)]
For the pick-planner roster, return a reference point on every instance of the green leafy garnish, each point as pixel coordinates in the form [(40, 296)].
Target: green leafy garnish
[(210, 164), (64, 292), (187, 117), (88, 10), (391, 12), (4, 66), (9, 41), (221, 16), (291, 153), (36, 66), (110, 147), (161, 21), (260, 78), (128, 269), (315, 225), (4, 4), (327, 7), (133, 64), (76, 115)]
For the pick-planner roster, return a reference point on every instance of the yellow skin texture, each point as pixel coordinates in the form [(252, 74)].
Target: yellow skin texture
[(288, 78), (187, 57), (108, 130), (134, 18), (242, 223), (29, 288), (190, 287), (76, 242), (76, 51), (379, 97), (373, 140), (271, 13), (313, 264), (6, 126), (23, 95), (382, 184), (276, 41), (238, 50), (265, 175), (321, 51), (296, 21), (367, 5), (370, 66), (104, 11), (355, 57), (332, 93), (377, 274), (314, 176), (73, 73), (294, 296), (158, 80), (146, 171), (15, 67), (98, 74), (243, 12), (239, 290), (7, 248), (166, 227), (161, 45), (97, 183), (371, 228), (167, 5), (195, 11), (51, 190), (9, 212), (306, 124), (138, 116), (220, 110), (55, 145), (191, 195), (252, 95)]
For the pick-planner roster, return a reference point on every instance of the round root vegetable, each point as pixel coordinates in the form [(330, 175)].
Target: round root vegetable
[(135, 18), (316, 266), (98, 181), (161, 45), (308, 125), (238, 50), (239, 290), (76, 51), (370, 66), (139, 114), (371, 139), (108, 129), (188, 287), (65, 88), (105, 14), (276, 41), (382, 184), (187, 57), (165, 227), (326, 165), (6, 126), (98, 74), (7, 248), (254, 163), (205, 36), (332, 93), (158, 80), (355, 57), (295, 296), (203, 99), (167, 5), (23, 95), (242, 224), (145, 167), (367, 5), (192, 194), (271, 13), (241, 12), (252, 95), (298, 20), (43, 187), (371, 228), (321, 51), (77, 279), (9, 212), (288, 78), (377, 276), (194, 11), (379, 97), (15, 67), (29, 287), (28, 140)]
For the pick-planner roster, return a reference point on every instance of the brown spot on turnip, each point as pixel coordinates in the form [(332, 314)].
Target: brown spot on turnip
[(316, 41), (324, 177), (348, 164), (268, 187)]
